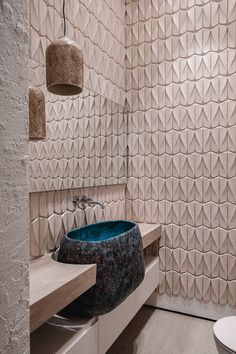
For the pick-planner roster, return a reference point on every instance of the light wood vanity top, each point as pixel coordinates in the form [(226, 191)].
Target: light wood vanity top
[(53, 285), (150, 233)]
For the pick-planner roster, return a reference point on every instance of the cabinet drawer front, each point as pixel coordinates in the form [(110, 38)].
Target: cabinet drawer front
[(83, 343), (113, 323), (150, 282)]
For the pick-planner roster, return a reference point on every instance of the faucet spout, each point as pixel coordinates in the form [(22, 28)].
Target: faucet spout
[(82, 203), (85, 201), (93, 203)]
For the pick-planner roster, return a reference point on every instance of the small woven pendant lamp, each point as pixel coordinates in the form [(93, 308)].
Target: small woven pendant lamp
[(37, 119), (64, 65)]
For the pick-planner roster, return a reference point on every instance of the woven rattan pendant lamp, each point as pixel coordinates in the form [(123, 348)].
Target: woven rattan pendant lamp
[(37, 119), (64, 65)]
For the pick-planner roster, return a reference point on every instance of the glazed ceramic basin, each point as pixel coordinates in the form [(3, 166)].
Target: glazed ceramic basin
[(116, 248)]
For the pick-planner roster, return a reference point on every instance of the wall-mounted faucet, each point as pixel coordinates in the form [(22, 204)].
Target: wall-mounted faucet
[(82, 203)]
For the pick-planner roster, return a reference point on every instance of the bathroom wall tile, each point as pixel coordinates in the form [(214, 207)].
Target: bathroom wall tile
[(180, 77), (162, 284), (192, 143), (45, 26), (169, 282), (34, 237), (176, 280), (206, 289), (190, 286), (48, 157), (60, 216), (232, 242), (215, 291), (232, 293)]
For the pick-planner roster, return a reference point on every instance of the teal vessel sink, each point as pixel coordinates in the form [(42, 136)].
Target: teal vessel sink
[(116, 248)]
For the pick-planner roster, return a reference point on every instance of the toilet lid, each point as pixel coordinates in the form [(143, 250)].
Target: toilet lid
[(225, 331)]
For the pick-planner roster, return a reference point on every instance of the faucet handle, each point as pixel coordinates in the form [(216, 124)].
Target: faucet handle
[(85, 199), (75, 200)]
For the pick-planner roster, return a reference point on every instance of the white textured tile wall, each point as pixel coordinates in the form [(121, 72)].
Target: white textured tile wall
[(181, 93), (86, 145), (86, 134), (180, 82), (99, 29)]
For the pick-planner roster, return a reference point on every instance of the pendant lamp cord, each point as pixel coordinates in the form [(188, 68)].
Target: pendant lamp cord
[(64, 16)]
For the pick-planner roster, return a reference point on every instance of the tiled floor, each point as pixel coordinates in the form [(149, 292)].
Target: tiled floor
[(155, 331)]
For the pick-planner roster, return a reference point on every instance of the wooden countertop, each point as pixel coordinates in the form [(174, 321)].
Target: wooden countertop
[(53, 285), (150, 233)]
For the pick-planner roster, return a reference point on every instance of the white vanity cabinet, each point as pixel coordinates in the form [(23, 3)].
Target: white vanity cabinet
[(113, 323), (51, 338), (95, 336), (85, 342)]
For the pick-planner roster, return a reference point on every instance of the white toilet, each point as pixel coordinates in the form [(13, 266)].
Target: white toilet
[(225, 335)]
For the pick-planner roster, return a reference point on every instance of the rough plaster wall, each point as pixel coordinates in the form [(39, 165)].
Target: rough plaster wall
[(181, 87), (14, 336)]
